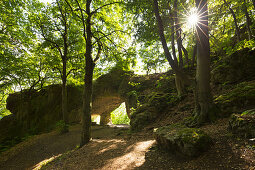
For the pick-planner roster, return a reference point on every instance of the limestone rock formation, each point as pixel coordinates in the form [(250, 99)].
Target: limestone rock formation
[(177, 138), (234, 68), (244, 124)]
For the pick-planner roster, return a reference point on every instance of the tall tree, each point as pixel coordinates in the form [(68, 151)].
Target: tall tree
[(181, 79), (58, 30), (205, 105), (98, 31), (248, 19), (235, 20)]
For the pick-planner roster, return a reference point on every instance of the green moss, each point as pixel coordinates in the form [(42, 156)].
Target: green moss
[(248, 112), (179, 138), (242, 94)]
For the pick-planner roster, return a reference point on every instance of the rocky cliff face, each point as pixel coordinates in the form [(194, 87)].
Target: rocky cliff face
[(38, 111)]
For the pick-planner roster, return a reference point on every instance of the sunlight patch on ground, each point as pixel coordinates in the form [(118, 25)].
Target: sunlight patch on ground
[(113, 146), (134, 158), (44, 162)]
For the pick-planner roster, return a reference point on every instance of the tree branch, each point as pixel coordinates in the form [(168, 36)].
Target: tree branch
[(95, 11)]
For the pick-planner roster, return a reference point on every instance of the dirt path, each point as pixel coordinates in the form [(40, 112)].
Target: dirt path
[(39, 149), (113, 148)]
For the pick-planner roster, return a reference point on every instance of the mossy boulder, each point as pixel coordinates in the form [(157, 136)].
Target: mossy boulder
[(234, 68), (142, 116), (177, 138), (240, 96), (243, 124)]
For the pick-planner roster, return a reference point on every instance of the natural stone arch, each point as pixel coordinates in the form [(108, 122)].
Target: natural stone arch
[(104, 105)]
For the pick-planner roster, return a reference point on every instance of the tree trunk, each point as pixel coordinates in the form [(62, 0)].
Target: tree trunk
[(178, 34), (186, 54), (64, 77), (172, 35), (235, 21), (181, 78), (248, 20), (194, 55), (127, 108), (87, 93), (204, 97), (64, 94)]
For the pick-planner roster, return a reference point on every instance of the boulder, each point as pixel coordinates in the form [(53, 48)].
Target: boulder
[(142, 116), (177, 138), (244, 124)]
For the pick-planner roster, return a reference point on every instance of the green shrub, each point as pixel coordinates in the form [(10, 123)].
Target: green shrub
[(61, 127)]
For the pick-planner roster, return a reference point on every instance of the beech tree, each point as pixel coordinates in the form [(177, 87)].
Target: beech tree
[(205, 111), (57, 28), (100, 23)]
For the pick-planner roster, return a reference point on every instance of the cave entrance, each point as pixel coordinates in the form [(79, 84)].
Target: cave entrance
[(119, 115)]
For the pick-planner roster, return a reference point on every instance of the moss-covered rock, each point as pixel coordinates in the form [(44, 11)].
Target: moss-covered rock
[(155, 104), (177, 138), (110, 83), (238, 97), (142, 116), (244, 124), (234, 68)]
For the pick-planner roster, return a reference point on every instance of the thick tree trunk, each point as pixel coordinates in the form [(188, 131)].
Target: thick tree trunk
[(204, 97), (235, 20), (64, 95), (248, 20), (87, 93), (127, 108), (181, 81), (64, 76)]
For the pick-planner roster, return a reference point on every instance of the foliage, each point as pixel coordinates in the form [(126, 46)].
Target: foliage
[(61, 127), (234, 99), (119, 115)]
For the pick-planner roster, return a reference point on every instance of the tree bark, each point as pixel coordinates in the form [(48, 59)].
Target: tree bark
[(181, 80), (162, 37), (235, 20), (194, 55), (204, 97), (186, 54), (87, 93), (64, 76), (248, 20), (178, 34), (64, 94), (172, 35)]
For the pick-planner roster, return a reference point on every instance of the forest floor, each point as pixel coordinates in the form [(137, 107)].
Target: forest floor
[(116, 148)]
